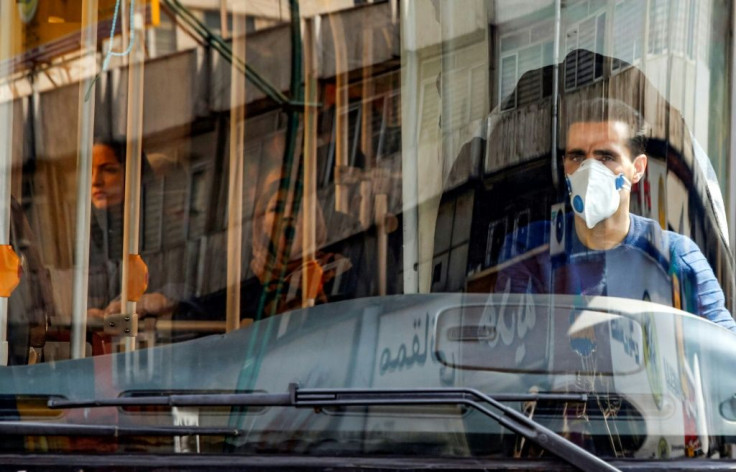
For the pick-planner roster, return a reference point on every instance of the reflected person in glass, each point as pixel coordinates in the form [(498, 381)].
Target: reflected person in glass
[(106, 236), (271, 261)]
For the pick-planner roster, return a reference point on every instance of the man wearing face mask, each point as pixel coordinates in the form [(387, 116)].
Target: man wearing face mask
[(610, 251), (602, 159)]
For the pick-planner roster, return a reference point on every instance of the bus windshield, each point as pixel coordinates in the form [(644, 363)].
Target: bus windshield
[(368, 228)]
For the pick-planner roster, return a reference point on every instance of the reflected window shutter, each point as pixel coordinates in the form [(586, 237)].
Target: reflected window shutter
[(175, 209), (628, 26), (657, 26), (508, 82), (478, 80), (585, 61), (530, 83), (152, 211), (571, 61), (459, 108), (430, 107), (198, 204)]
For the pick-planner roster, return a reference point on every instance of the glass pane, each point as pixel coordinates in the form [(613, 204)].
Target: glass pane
[(341, 229)]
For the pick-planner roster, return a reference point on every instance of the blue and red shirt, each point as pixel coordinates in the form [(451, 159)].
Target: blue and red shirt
[(649, 264)]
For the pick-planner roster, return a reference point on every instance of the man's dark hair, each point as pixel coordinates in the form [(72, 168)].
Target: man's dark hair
[(610, 109)]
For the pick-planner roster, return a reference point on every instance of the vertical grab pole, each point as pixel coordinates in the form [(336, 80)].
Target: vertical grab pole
[(134, 151), (311, 276), (7, 13), (366, 130), (224, 29), (409, 142), (381, 212), (235, 184), (341, 114), (84, 178)]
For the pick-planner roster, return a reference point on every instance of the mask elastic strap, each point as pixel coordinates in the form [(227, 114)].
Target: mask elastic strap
[(622, 182)]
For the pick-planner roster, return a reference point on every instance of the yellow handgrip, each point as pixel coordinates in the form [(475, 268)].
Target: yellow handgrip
[(313, 274), (155, 13), (10, 270), (137, 277)]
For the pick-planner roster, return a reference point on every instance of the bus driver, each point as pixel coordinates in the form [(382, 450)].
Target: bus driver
[(610, 251)]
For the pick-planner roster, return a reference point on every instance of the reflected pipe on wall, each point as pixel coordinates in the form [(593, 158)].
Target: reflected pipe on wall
[(290, 185), (732, 144), (556, 97)]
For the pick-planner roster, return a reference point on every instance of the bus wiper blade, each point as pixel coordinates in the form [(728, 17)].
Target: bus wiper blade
[(38, 428), (313, 398), (192, 400), (286, 399), (508, 417)]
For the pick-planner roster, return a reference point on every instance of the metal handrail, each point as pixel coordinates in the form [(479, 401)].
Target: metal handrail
[(217, 43)]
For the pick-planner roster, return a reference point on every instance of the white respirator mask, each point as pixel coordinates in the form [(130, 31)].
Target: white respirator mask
[(594, 191)]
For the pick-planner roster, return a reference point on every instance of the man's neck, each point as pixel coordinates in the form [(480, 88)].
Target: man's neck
[(607, 234)]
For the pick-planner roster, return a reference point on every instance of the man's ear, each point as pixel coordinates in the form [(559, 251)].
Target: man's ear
[(640, 165)]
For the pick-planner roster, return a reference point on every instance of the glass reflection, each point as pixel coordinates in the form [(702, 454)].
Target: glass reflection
[(302, 160)]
